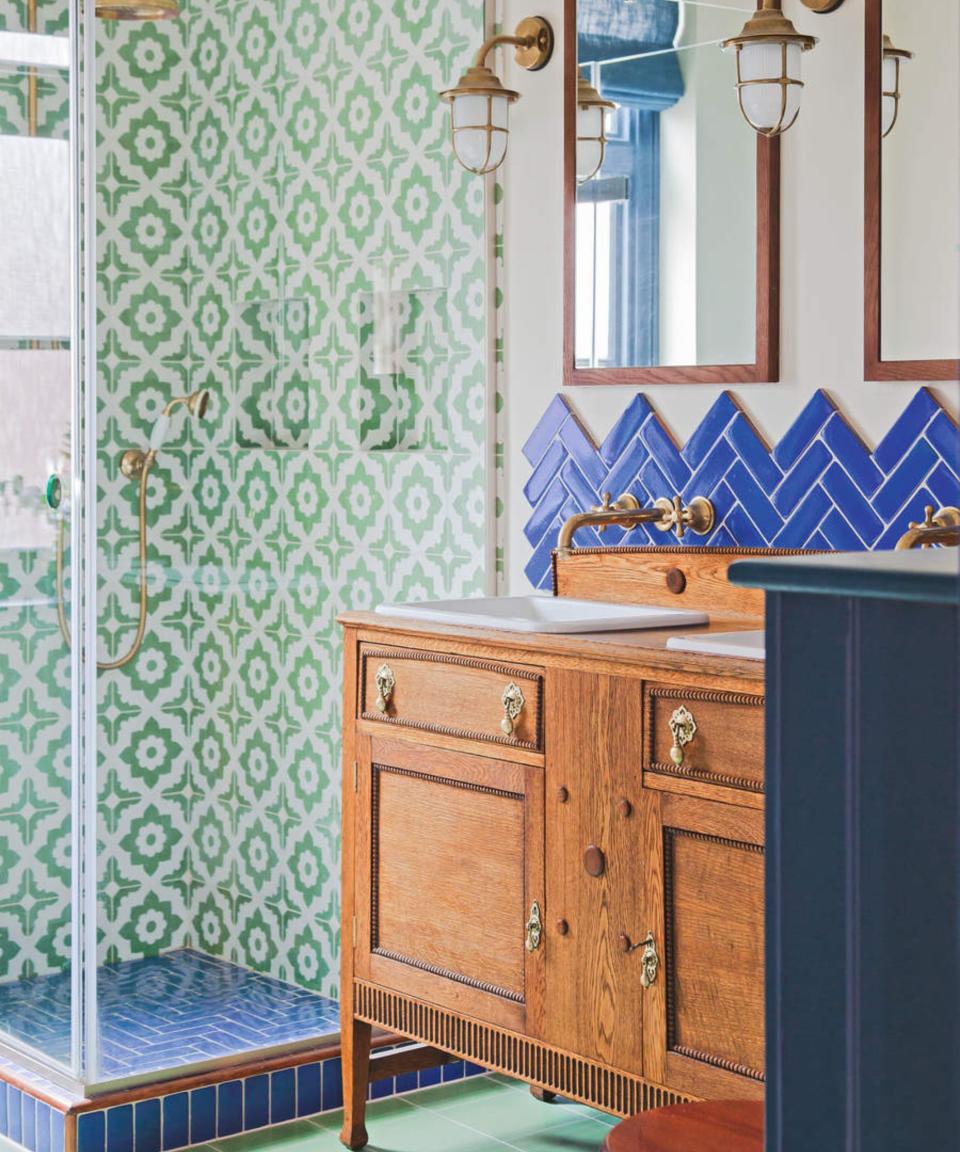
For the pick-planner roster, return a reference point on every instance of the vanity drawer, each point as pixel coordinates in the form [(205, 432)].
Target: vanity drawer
[(452, 695), (703, 736)]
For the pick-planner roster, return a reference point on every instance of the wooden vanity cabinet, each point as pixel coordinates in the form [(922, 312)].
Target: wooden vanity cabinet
[(566, 896)]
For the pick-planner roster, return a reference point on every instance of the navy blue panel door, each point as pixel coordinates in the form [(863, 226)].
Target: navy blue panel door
[(863, 862)]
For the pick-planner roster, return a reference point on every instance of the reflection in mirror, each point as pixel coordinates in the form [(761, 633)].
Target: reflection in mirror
[(920, 181), (666, 232)]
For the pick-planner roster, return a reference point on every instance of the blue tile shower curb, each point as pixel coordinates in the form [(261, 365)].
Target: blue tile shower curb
[(178, 1119)]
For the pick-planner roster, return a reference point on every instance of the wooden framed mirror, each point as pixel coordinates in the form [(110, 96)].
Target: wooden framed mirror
[(912, 188), (672, 249)]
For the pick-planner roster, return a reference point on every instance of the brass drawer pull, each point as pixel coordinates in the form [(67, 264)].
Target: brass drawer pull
[(650, 962), (684, 728), (386, 682), (534, 928), (513, 703)]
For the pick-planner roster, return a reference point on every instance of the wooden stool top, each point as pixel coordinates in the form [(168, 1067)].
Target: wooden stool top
[(709, 1126)]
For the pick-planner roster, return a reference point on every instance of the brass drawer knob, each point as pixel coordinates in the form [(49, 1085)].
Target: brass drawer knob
[(386, 682), (683, 728), (594, 861), (513, 703)]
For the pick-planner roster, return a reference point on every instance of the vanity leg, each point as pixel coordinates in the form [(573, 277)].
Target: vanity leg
[(542, 1094), (355, 1056)]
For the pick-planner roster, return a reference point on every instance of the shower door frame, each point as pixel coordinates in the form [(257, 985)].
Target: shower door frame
[(71, 1075)]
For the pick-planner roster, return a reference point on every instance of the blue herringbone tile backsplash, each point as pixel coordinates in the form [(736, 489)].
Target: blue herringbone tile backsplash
[(820, 487)]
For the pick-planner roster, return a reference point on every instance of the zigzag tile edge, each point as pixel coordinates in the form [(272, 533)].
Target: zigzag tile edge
[(819, 487)]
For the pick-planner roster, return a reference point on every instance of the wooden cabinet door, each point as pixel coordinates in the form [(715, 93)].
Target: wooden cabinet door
[(448, 865), (598, 833), (703, 1014)]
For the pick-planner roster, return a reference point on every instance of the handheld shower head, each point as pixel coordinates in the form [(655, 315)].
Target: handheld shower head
[(196, 404)]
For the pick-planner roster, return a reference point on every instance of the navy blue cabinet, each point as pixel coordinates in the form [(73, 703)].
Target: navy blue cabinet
[(863, 851)]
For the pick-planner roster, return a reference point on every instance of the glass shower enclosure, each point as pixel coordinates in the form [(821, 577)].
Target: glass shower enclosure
[(217, 377)]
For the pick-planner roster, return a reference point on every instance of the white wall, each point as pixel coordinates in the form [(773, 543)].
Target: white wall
[(822, 263)]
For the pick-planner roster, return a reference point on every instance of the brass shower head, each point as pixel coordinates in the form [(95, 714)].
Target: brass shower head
[(137, 9), (196, 403)]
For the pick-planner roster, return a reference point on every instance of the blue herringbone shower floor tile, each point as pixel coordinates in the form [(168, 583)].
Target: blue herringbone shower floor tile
[(168, 1011)]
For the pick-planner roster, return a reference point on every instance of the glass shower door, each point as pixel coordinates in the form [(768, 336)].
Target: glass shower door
[(39, 675)]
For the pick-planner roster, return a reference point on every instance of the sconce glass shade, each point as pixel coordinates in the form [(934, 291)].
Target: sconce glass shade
[(591, 128), (137, 9), (769, 84), (890, 85), (480, 119)]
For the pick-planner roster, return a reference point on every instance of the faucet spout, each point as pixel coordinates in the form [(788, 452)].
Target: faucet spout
[(941, 527), (625, 512)]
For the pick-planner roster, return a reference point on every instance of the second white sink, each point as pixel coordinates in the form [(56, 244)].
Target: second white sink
[(545, 614)]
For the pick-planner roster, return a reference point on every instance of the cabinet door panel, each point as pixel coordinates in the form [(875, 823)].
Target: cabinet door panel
[(594, 998), (706, 1034), (453, 864)]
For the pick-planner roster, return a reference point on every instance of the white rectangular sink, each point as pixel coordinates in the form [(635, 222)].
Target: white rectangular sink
[(545, 614), (745, 645)]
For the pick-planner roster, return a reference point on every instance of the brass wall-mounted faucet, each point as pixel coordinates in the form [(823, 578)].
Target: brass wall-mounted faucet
[(941, 527), (625, 512)]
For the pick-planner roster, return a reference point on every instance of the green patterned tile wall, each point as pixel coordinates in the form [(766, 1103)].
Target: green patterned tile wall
[(280, 221)]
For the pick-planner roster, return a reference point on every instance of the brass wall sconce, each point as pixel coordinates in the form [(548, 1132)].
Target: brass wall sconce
[(890, 85), (135, 464), (480, 105), (769, 50), (137, 9), (592, 111)]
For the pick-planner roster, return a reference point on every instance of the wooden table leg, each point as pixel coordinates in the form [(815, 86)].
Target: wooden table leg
[(355, 1057)]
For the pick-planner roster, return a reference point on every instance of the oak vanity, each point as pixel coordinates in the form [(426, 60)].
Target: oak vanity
[(553, 845)]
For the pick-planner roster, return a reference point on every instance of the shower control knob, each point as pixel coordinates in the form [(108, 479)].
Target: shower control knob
[(53, 492)]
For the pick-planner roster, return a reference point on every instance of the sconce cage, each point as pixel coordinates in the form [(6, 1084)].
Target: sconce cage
[(890, 95), (592, 108), (788, 115), (769, 51)]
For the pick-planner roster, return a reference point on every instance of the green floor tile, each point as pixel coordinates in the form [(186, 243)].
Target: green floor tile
[(580, 1136), (507, 1115), (459, 1092), (297, 1136)]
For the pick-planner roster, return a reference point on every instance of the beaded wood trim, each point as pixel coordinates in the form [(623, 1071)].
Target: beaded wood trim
[(696, 696), (540, 1064), (669, 835), (398, 957), (508, 670)]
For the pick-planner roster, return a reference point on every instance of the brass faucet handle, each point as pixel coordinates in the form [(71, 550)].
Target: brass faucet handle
[(699, 516)]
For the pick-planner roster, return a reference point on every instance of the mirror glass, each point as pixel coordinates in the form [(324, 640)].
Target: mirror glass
[(920, 182), (666, 231)]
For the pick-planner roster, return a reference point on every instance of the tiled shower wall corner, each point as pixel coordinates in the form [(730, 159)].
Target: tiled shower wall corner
[(819, 488), (280, 221)]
